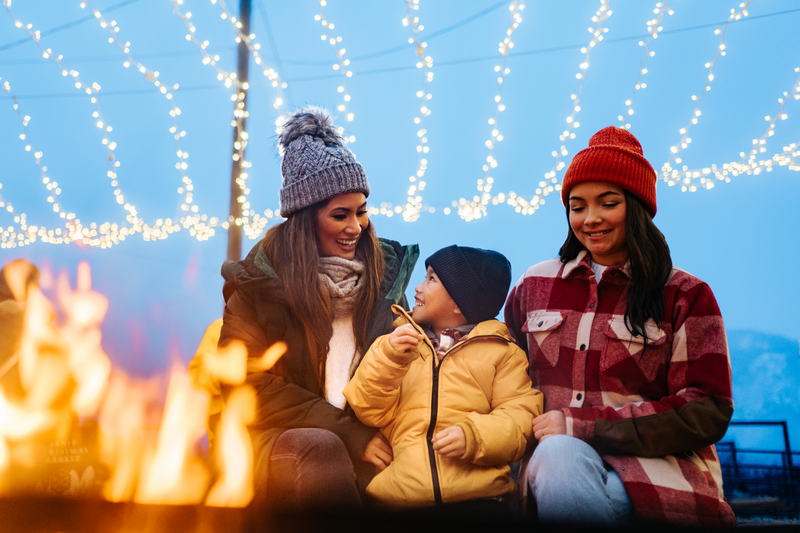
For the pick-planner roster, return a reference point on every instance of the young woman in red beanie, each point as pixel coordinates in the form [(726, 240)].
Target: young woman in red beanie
[(631, 355)]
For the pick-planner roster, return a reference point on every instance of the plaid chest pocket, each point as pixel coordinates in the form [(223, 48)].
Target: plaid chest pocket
[(544, 337), (625, 356)]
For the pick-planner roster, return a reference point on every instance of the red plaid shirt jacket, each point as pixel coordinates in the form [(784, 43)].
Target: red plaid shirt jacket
[(653, 414)]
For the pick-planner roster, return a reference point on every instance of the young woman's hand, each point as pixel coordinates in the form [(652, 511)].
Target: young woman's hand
[(450, 442), (405, 338), (549, 424), (378, 452)]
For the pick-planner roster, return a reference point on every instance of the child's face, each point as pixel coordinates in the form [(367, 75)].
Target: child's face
[(433, 305)]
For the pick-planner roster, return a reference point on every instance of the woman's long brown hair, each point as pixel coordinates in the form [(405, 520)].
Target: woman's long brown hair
[(649, 260), (293, 251)]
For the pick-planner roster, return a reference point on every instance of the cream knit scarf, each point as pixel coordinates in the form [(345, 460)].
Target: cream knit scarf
[(342, 278)]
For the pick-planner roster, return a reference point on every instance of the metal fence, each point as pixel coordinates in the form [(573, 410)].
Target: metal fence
[(761, 483)]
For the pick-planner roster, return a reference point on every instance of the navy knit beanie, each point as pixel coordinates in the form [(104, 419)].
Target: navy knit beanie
[(477, 280)]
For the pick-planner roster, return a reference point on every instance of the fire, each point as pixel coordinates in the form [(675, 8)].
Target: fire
[(170, 474), (123, 419), (65, 392), (89, 365), (234, 488)]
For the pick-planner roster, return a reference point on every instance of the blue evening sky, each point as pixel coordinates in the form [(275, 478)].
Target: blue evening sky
[(736, 236)]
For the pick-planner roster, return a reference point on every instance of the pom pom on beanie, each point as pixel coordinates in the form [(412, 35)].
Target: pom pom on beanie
[(614, 156), (477, 280), (316, 164)]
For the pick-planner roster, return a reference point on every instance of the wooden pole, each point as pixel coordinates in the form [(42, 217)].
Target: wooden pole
[(235, 230)]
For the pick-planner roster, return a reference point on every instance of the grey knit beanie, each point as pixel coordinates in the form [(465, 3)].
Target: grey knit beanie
[(477, 280), (316, 164)]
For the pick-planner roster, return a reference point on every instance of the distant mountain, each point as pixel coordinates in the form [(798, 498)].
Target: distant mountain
[(766, 386)]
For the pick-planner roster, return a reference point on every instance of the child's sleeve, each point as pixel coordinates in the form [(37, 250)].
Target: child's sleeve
[(500, 437), (374, 391)]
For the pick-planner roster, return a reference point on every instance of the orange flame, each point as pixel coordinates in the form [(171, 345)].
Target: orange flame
[(123, 417), (268, 360), (63, 372), (171, 474), (40, 363), (228, 364), (234, 453), (90, 366)]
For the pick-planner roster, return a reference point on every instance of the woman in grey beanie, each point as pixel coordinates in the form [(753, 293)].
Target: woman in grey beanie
[(323, 283)]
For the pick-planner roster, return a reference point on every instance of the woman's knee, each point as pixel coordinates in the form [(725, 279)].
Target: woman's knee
[(312, 444), (564, 447), (309, 468), (567, 479), (562, 453)]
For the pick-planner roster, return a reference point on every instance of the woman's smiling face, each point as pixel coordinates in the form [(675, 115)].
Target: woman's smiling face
[(597, 217), (340, 224)]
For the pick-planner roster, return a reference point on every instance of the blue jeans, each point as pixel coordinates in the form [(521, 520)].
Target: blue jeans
[(570, 484)]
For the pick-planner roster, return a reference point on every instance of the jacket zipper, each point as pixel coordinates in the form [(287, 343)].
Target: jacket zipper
[(437, 491)]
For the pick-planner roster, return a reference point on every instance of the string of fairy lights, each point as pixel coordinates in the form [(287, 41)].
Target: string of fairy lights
[(550, 182), (341, 65), (28, 234), (704, 178), (469, 210), (667, 171), (202, 226), (413, 205), (250, 41), (653, 27), (692, 179), (162, 228), (252, 223)]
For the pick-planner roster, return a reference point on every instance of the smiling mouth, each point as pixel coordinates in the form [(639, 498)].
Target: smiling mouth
[(347, 243), (597, 233), (418, 303)]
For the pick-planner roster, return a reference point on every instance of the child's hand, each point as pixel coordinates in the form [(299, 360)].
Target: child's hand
[(450, 442), (405, 338)]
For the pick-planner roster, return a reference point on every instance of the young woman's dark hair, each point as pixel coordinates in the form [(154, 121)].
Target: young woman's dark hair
[(649, 261), (293, 251)]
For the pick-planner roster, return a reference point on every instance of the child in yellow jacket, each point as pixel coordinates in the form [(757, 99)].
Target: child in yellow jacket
[(448, 387)]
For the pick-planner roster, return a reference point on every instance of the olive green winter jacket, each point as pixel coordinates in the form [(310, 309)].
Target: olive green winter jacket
[(288, 396)]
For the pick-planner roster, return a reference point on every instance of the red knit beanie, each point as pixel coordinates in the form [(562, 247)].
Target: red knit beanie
[(614, 156)]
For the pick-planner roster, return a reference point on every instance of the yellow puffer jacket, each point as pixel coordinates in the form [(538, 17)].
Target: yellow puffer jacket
[(481, 385)]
